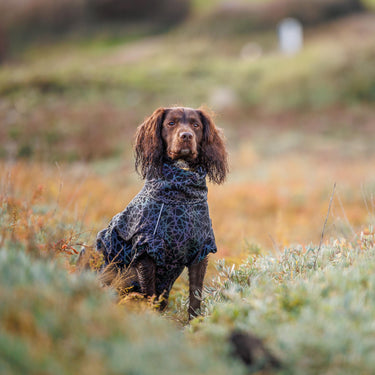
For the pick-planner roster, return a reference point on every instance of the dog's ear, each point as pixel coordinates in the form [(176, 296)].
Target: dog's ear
[(148, 145), (212, 152)]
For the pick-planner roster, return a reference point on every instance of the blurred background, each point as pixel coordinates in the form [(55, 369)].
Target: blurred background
[(292, 83)]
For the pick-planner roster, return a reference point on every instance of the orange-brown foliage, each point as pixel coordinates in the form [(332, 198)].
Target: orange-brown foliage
[(271, 203)]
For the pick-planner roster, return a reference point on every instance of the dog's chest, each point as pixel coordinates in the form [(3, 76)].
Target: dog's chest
[(169, 219), (184, 229)]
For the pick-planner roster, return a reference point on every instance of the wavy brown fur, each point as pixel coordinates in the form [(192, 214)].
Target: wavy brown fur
[(212, 153), (150, 148)]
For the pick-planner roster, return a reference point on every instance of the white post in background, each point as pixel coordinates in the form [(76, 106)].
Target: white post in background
[(290, 33)]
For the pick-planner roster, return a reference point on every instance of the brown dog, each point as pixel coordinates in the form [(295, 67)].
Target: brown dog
[(166, 227)]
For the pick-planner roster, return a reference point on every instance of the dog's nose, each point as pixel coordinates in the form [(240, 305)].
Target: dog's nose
[(186, 136)]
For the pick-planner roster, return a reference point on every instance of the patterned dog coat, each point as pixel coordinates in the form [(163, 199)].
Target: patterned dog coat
[(169, 220)]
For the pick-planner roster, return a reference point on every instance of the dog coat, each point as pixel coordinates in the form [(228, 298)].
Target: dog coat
[(168, 219)]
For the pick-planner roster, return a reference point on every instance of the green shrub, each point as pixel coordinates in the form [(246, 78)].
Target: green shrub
[(317, 320), (55, 323)]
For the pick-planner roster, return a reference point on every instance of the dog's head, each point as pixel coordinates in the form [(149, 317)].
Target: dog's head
[(180, 133)]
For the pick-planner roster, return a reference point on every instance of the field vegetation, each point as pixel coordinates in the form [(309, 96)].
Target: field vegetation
[(70, 101)]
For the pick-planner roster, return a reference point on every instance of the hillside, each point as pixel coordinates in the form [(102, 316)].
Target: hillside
[(71, 97), (78, 102)]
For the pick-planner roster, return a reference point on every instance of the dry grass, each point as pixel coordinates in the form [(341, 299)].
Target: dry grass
[(296, 126), (271, 202)]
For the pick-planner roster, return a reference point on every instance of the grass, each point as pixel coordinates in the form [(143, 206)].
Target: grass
[(295, 126), (62, 106), (319, 81), (259, 204), (315, 320), (55, 322)]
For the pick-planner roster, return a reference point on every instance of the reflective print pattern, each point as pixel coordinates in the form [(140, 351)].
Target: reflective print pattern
[(169, 220)]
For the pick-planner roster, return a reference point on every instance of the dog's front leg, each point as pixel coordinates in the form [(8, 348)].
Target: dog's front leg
[(196, 276), (146, 269)]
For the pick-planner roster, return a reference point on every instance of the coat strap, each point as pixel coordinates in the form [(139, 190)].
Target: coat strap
[(157, 223)]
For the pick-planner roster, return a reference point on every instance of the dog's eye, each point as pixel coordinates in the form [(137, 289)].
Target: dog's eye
[(171, 123), (196, 125)]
